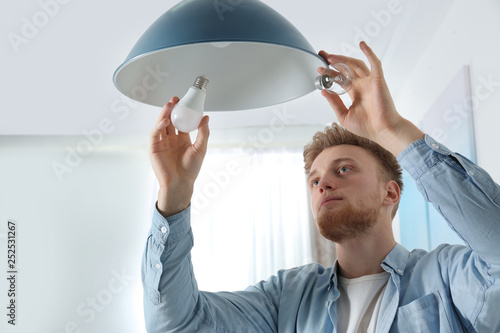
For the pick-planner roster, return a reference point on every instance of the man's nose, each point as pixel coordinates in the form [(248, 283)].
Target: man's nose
[(326, 184)]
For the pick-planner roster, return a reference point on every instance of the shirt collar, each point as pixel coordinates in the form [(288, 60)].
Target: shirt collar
[(333, 285), (395, 261)]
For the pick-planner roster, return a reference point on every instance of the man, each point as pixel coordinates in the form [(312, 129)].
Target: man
[(376, 285)]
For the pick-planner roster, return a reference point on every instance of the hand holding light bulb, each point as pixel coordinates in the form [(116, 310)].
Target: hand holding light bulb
[(176, 160), (187, 113)]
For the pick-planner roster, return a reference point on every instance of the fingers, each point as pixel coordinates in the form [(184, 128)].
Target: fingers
[(159, 130), (163, 124), (336, 104), (201, 141), (375, 63), (166, 111), (170, 106), (357, 65)]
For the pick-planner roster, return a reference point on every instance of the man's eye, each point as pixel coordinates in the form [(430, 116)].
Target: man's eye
[(315, 182), (344, 169)]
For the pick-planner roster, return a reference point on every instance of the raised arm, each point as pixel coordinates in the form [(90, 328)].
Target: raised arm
[(172, 301), (175, 161), (372, 114), (167, 274)]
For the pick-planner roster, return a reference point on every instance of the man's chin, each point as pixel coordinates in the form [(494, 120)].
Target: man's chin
[(345, 223)]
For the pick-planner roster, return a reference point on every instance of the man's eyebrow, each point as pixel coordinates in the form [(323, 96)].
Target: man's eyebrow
[(332, 163)]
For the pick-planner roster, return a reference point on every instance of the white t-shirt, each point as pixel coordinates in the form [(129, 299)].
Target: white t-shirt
[(359, 302)]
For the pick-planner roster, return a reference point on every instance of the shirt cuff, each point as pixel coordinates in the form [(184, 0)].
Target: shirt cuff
[(422, 155), (172, 227)]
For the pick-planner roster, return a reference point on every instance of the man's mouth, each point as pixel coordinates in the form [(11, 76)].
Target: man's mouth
[(330, 199)]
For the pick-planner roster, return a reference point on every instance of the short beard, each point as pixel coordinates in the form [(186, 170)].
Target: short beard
[(346, 222)]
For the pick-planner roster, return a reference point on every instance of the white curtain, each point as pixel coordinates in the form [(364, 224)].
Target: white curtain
[(250, 217)]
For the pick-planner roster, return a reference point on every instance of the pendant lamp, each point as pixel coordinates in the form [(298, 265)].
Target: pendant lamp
[(252, 56)]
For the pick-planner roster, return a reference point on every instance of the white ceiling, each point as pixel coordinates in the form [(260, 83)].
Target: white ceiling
[(59, 80)]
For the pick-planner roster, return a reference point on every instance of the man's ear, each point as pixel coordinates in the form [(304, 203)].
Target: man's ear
[(392, 194)]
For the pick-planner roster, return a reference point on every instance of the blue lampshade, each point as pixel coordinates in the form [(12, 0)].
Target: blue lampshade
[(252, 56)]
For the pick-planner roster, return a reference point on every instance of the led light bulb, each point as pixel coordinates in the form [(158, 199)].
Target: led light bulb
[(187, 113)]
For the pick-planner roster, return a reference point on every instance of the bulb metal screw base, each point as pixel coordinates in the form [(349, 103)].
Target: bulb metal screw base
[(201, 83)]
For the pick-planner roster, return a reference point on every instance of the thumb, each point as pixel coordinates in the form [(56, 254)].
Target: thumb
[(336, 103), (201, 141)]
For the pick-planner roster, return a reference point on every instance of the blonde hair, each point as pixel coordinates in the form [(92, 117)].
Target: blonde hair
[(336, 135)]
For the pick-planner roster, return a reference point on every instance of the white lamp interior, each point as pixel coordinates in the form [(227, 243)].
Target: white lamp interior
[(242, 75)]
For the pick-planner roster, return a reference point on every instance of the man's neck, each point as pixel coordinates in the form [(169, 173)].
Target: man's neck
[(363, 256)]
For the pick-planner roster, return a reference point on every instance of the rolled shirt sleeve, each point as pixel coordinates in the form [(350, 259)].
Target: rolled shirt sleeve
[(462, 192), (169, 286), (172, 301), (469, 200)]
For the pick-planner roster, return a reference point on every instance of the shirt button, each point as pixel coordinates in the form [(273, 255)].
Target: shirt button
[(400, 271), (158, 266), (435, 146), (164, 230), (326, 304), (471, 173)]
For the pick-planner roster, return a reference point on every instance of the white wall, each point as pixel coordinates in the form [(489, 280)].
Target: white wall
[(79, 240), (468, 36)]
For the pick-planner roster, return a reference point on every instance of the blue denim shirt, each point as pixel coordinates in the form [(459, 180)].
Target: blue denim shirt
[(450, 289)]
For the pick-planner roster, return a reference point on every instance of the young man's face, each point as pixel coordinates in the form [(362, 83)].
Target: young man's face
[(346, 192)]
